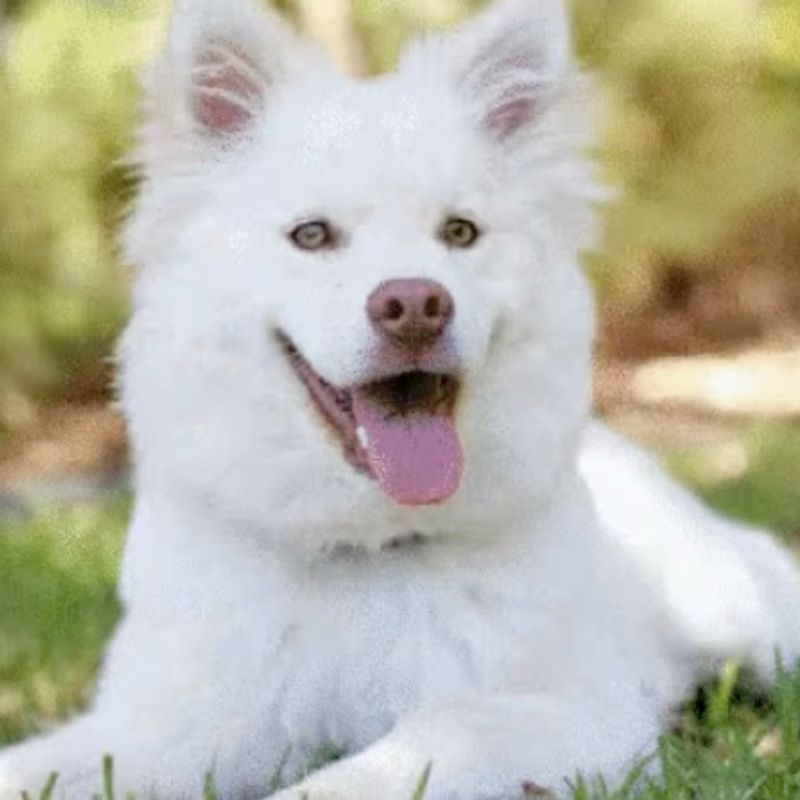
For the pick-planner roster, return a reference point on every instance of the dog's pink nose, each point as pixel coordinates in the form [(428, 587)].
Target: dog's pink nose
[(411, 312)]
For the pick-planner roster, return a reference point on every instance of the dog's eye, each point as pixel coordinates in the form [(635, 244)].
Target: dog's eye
[(458, 232), (315, 235)]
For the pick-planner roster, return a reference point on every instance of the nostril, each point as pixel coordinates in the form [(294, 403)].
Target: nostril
[(432, 308), (393, 310)]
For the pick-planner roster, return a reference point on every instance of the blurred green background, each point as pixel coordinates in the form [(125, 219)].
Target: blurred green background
[(701, 132)]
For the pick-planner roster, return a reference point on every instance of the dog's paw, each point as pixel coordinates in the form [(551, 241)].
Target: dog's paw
[(320, 789), (313, 793), (10, 787)]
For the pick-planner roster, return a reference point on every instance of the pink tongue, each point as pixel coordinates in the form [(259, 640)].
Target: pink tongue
[(416, 459)]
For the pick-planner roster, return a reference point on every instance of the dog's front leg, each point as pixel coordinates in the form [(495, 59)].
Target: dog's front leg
[(491, 748), (73, 755)]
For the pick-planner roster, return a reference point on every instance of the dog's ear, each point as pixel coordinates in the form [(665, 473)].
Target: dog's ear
[(223, 62), (222, 70), (505, 63)]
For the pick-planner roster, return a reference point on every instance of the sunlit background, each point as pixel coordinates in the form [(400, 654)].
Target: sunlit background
[(698, 275)]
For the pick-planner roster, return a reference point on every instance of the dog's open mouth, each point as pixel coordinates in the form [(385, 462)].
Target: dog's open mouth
[(399, 431)]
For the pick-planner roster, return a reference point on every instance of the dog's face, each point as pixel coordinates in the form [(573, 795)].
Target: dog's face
[(359, 314)]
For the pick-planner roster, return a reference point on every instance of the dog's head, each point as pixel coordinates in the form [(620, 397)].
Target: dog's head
[(359, 314)]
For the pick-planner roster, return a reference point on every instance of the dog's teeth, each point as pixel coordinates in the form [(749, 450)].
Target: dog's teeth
[(362, 436)]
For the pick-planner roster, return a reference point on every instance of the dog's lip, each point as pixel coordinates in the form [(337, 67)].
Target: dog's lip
[(387, 370), (390, 366), (335, 403)]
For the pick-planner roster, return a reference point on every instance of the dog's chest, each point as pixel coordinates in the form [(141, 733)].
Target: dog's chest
[(361, 648)]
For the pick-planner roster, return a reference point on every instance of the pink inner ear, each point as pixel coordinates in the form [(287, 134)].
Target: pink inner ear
[(228, 91), (510, 115), (509, 81)]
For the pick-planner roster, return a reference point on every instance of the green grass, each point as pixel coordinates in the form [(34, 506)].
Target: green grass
[(728, 746), (57, 608)]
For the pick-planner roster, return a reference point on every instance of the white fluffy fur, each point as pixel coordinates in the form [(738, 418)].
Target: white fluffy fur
[(266, 616)]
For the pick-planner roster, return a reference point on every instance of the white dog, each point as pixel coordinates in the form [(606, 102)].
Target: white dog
[(356, 380)]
